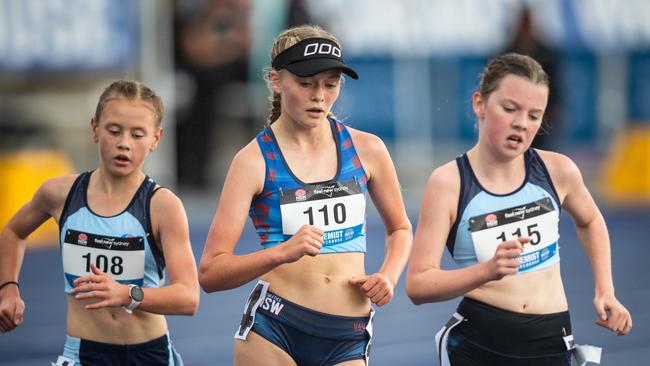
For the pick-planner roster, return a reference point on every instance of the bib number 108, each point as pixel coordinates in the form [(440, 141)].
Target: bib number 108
[(338, 212), (101, 262)]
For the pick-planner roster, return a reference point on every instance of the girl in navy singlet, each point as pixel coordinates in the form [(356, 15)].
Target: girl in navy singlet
[(118, 250), (496, 208), (303, 181)]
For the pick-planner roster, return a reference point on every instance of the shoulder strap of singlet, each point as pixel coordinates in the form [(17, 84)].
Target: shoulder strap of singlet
[(538, 174), (158, 254), (272, 157), (76, 197), (348, 157), (468, 189)]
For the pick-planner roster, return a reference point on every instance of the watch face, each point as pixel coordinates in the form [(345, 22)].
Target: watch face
[(136, 293)]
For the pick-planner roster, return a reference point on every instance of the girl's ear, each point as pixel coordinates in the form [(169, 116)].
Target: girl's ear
[(478, 105), (94, 124), (274, 80), (157, 136)]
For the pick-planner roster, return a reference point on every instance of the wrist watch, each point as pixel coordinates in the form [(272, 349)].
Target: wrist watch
[(136, 295)]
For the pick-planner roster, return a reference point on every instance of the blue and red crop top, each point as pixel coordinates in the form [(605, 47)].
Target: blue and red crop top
[(337, 206)]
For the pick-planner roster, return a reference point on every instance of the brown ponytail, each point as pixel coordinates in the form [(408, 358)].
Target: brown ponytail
[(276, 108)]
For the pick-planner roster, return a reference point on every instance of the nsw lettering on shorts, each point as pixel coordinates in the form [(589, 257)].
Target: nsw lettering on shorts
[(120, 257), (272, 303)]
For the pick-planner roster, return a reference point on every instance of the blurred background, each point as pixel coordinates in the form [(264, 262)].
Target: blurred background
[(419, 62)]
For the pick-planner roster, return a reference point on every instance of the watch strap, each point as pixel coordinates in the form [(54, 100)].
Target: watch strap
[(133, 304)]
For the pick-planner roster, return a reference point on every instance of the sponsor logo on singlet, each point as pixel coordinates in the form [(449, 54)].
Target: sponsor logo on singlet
[(491, 220), (301, 195)]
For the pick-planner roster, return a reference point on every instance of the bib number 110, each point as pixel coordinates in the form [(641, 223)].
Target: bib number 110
[(101, 262), (338, 213)]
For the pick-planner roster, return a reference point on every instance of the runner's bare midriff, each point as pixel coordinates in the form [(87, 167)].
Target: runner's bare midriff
[(113, 325), (538, 292), (321, 283)]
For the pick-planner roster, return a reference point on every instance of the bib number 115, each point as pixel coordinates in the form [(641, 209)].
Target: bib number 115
[(534, 235)]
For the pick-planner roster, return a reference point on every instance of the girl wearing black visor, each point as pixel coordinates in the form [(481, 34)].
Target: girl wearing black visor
[(303, 182)]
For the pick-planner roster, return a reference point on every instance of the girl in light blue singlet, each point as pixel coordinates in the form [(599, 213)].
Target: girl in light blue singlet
[(125, 264), (496, 209)]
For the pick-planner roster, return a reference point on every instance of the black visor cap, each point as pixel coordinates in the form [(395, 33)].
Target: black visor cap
[(312, 56)]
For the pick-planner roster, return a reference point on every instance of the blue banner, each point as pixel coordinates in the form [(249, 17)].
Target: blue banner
[(67, 35)]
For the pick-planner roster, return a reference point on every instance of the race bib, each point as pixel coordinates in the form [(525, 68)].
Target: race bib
[(338, 209), (121, 258), (537, 220)]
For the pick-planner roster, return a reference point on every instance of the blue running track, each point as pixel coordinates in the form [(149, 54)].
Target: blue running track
[(403, 332)]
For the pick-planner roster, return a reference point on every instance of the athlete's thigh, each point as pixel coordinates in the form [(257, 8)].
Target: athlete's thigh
[(256, 350), (359, 362)]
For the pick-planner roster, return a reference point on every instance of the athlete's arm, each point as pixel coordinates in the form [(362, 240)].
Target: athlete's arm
[(220, 269), (46, 202), (594, 238), (384, 190), (181, 296), (426, 281)]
